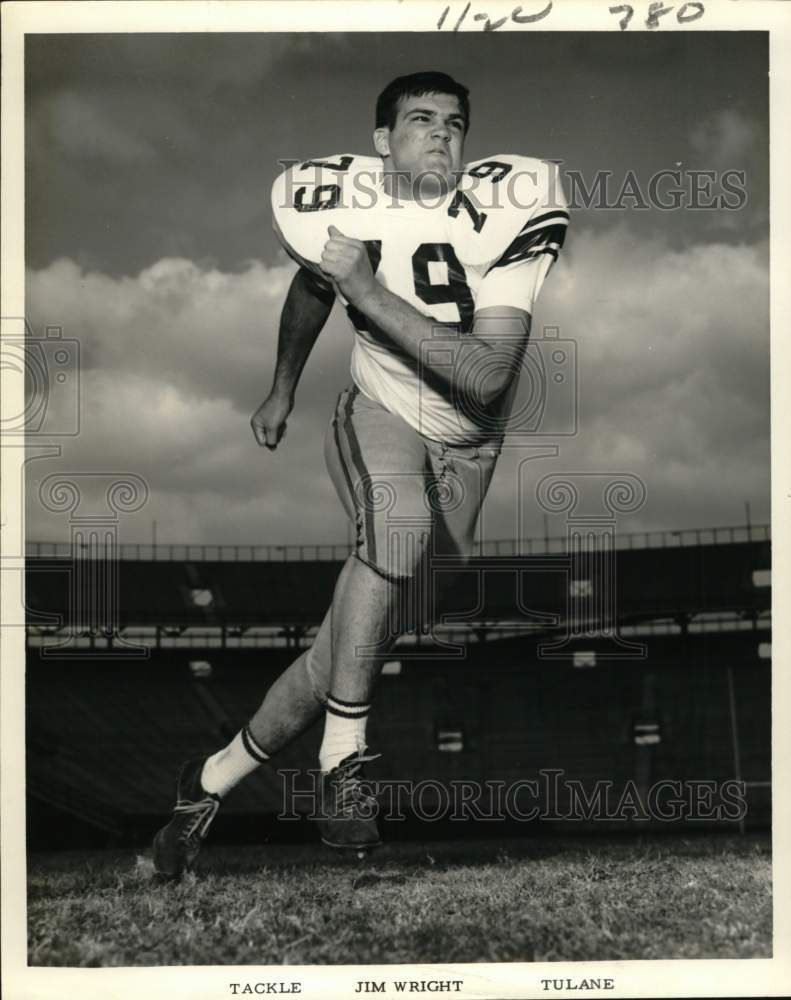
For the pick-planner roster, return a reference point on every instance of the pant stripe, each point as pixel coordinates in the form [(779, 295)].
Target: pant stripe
[(339, 449), (359, 463)]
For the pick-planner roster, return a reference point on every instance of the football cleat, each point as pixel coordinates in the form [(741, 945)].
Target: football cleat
[(176, 845), (348, 812)]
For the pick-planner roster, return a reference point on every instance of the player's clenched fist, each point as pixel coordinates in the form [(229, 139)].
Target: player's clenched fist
[(346, 262), (269, 420)]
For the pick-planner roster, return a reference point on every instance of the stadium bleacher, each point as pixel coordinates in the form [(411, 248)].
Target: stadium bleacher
[(689, 702), (650, 583)]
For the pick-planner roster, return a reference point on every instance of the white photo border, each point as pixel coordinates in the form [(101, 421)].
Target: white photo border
[(675, 978)]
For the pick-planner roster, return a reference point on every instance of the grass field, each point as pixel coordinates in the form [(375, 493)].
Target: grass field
[(493, 901)]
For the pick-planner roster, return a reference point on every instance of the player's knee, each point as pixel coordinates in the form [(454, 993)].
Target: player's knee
[(399, 558)]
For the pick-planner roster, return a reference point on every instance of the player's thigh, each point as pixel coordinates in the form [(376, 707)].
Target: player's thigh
[(381, 471), (462, 477)]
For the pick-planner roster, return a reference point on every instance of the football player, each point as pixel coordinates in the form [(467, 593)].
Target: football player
[(438, 264)]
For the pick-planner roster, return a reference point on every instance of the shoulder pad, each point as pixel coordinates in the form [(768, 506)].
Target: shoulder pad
[(504, 193), (310, 195)]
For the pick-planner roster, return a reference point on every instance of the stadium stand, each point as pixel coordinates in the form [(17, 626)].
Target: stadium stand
[(689, 701), (650, 584)]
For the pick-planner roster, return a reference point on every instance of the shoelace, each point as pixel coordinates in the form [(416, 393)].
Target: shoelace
[(350, 795), (205, 810)]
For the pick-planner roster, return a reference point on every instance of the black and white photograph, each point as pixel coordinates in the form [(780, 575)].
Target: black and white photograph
[(394, 468)]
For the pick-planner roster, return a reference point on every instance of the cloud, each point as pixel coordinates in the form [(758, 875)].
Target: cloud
[(672, 371), (727, 137), (173, 363), (655, 324), (732, 147), (206, 476), (210, 334), (81, 128)]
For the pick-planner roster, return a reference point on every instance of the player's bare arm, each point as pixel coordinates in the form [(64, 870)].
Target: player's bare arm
[(346, 261), (305, 311)]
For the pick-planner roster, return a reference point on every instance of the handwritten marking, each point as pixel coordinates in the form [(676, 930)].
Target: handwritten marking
[(690, 17), (657, 10), (690, 11), (623, 24), (463, 15), (491, 25), (516, 16)]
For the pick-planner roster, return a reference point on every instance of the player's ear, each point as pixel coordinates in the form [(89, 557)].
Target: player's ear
[(382, 141)]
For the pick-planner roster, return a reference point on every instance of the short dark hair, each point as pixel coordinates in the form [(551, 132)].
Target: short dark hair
[(416, 85)]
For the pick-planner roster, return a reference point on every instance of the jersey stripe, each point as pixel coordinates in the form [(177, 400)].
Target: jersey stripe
[(535, 240), (556, 215)]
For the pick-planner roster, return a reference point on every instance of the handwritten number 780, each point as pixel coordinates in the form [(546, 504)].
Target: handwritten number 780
[(688, 12)]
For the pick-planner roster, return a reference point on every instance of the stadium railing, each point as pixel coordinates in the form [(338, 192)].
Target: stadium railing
[(333, 553)]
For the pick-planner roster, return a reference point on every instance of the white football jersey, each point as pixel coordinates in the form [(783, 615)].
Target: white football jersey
[(489, 242)]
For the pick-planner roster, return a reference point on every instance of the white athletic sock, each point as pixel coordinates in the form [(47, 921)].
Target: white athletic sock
[(344, 731), (228, 766)]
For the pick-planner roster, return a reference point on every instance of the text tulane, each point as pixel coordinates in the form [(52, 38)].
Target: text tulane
[(578, 984)]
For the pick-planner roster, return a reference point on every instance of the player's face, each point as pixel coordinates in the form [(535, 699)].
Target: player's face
[(427, 141)]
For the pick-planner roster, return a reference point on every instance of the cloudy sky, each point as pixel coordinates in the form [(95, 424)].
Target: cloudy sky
[(149, 164)]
